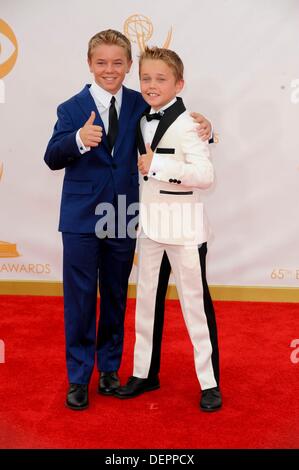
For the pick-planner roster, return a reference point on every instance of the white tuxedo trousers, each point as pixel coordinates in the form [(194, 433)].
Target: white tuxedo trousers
[(186, 268)]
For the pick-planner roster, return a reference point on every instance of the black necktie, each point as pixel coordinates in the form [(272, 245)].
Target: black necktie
[(150, 117), (113, 123)]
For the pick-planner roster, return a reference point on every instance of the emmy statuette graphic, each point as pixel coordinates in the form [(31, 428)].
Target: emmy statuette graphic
[(139, 29)]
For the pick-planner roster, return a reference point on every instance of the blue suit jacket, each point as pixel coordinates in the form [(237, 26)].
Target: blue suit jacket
[(96, 176)]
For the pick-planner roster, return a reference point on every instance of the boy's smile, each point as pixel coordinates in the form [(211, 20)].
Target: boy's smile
[(158, 83), (109, 65)]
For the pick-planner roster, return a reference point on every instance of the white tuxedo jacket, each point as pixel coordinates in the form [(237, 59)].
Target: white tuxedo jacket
[(171, 211)]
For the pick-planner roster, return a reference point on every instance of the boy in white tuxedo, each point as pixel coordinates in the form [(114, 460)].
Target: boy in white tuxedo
[(175, 167)]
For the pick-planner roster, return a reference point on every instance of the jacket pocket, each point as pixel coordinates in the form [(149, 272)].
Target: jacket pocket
[(77, 187), (165, 150), (177, 193)]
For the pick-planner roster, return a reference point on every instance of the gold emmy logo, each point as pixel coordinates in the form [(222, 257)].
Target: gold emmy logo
[(7, 250), (6, 67), (139, 29)]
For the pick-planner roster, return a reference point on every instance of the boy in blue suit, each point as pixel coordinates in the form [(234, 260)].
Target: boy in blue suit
[(94, 139)]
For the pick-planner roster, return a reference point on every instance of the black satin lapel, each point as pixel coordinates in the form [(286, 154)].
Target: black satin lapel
[(140, 141), (171, 114)]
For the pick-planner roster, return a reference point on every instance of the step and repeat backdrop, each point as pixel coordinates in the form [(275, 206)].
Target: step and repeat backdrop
[(241, 62)]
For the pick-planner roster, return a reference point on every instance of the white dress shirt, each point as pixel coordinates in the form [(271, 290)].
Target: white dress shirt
[(102, 100)]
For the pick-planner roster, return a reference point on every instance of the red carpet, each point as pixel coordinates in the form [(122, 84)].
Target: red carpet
[(260, 384)]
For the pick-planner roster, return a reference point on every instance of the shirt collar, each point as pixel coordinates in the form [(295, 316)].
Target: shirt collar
[(104, 97), (164, 107)]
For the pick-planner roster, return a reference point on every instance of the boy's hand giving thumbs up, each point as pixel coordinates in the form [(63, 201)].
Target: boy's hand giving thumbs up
[(91, 135)]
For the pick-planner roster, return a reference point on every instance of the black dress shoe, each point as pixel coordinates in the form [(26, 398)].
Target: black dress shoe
[(136, 386), (77, 397), (210, 399), (108, 383)]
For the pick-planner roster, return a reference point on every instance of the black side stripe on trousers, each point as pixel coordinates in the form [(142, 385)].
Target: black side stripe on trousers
[(209, 312), (164, 274)]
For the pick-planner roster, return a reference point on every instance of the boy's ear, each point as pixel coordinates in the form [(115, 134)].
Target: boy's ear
[(180, 85), (129, 66)]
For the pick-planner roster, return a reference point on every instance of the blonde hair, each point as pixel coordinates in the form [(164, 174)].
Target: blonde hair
[(170, 58), (111, 37)]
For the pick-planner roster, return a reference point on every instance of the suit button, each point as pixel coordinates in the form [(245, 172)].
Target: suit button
[(178, 181), (171, 180), (114, 166), (175, 181), (145, 178), (154, 174)]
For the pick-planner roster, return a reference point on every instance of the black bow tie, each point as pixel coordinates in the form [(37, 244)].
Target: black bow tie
[(150, 117)]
